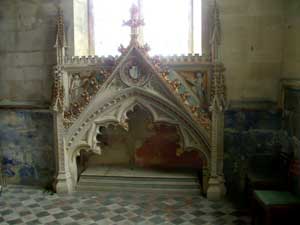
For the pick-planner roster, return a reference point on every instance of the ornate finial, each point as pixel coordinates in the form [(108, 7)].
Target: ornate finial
[(60, 43), (60, 35), (134, 23), (122, 49), (215, 39)]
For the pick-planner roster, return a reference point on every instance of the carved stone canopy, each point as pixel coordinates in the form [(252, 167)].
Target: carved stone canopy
[(89, 93), (136, 81)]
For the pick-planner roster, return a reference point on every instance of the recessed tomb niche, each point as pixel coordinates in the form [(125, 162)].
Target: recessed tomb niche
[(144, 144)]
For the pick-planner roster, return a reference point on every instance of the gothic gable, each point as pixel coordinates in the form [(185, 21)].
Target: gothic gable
[(130, 83), (91, 93)]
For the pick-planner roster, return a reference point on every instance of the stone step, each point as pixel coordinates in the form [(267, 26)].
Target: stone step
[(118, 178), (164, 185), (88, 178), (140, 183), (147, 184), (90, 188)]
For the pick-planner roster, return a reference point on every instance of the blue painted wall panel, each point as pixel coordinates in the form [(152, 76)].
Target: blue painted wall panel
[(26, 146)]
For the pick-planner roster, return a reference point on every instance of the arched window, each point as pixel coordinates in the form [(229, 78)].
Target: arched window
[(171, 26)]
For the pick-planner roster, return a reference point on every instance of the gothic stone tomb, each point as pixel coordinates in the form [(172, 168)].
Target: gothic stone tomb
[(173, 107)]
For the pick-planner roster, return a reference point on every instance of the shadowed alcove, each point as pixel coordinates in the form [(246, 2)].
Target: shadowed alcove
[(145, 144)]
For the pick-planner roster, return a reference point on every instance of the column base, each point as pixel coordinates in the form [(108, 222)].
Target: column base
[(63, 183), (222, 184), (205, 178), (215, 191)]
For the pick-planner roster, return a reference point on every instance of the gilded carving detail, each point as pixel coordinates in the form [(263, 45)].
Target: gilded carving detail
[(58, 94), (201, 116), (83, 86)]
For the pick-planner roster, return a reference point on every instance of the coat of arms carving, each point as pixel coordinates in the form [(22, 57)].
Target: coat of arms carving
[(134, 73)]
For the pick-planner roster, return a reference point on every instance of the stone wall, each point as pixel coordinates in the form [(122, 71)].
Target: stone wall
[(252, 48), (291, 65), (28, 32), (26, 50)]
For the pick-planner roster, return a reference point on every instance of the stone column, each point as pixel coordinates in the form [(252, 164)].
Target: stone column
[(216, 188), (205, 177), (221, 154), (63, 179), (215, 191)]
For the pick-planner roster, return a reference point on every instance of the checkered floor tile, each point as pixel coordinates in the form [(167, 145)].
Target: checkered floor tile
[(24, 205)]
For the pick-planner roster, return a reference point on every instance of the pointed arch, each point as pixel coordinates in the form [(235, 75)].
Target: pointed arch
[(114, 111)]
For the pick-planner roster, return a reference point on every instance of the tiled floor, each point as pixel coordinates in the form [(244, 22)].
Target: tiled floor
[(23, 205)]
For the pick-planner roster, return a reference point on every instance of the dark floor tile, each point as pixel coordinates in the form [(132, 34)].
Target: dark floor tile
[(117, 218), (217, 214), (198, 213), (66, 208), (198, 221), (33, 222), (33, 205), (42, 214), (178, 221), (156, 220), (6, 212), (53, 223), (16, 221), (24, 213), (121, 210), (137, 219), (60, 215), (78, 216), (98, 217)]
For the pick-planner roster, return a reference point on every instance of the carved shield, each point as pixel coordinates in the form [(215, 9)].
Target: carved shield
[(134, 72)]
